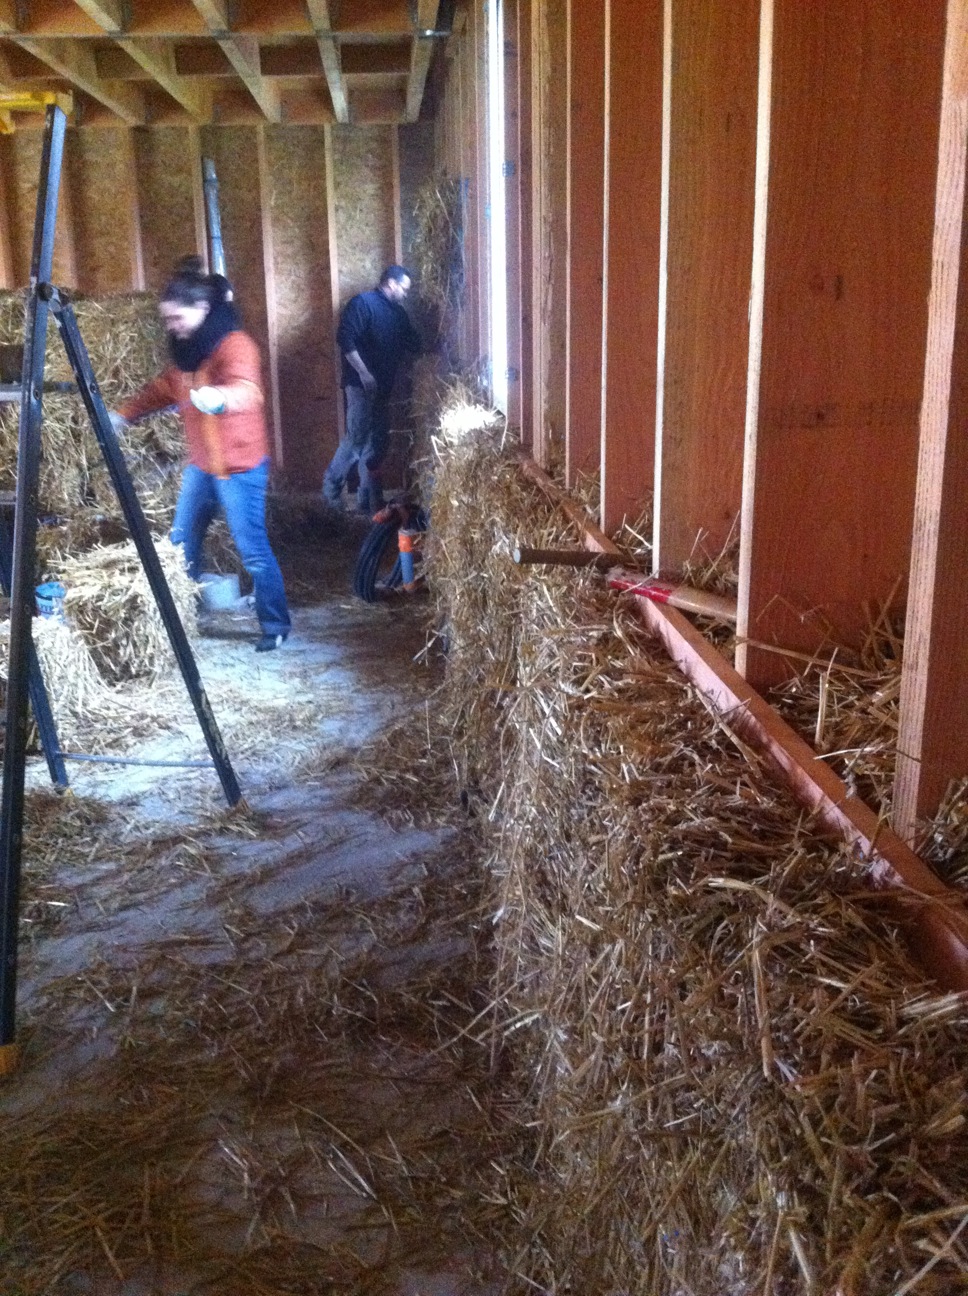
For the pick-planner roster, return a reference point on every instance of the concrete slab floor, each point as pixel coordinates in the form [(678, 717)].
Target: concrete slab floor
[(243, 1025)]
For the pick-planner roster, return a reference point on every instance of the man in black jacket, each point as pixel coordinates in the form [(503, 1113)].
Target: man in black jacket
[(374, 335)]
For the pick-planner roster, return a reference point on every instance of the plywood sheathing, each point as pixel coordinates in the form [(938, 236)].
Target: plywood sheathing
[(363, 186), (168, 164), (847, 157), (104, 199), (709, 250), (235, 151), (304, 319), (22, 173)]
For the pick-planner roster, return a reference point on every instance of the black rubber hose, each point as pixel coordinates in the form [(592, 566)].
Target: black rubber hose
[(373, 552)]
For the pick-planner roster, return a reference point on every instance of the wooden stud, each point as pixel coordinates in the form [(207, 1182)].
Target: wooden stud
[(397, 216), (933, 728), (633, 167), (334, 277), (198, 194), (512, 203), (525, 241), (585, 200), (272, 304), (845, 177), (134, 202), (708, 240), (8, 279), (550, 232)]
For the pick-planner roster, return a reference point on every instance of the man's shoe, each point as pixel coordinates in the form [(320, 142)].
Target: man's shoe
[(269, 642)]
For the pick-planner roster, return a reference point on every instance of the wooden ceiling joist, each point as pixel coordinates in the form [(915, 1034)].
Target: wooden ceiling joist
[(156, 58), (243, 53), (108, 14), (420, 56), (147, 62), (75, 62), (329, 55)]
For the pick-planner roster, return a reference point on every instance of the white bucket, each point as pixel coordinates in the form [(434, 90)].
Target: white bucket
[(219, 593)]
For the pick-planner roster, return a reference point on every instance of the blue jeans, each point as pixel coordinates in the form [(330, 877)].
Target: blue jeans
[(242, 497), (365, 445)]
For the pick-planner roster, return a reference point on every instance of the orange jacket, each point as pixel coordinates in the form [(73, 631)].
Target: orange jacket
[(238, 437)]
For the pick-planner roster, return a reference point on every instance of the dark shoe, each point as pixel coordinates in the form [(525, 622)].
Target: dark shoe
[(269, 642)]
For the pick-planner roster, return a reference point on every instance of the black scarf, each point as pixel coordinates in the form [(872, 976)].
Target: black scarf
[(190, 353)]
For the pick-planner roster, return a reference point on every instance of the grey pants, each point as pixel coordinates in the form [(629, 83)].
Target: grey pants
[(365, 445)]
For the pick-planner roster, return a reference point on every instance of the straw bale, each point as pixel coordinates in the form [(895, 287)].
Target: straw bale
[(125, 342), (110, 603), (730, 1077)]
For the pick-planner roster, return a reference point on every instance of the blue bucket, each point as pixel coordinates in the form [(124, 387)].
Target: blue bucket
[(50, 600)]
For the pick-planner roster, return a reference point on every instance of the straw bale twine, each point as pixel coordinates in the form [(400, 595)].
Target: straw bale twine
[(730, 1077), (109, 601)]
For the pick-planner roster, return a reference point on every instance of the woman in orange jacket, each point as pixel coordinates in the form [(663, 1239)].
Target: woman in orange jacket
[(215, 383)]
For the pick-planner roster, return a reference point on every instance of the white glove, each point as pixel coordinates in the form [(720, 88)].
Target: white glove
[(119, 423), (208, 399)]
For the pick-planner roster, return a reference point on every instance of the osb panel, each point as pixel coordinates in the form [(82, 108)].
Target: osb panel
[(234, 150), (304, 317), (100, 171), (167, 159), (21, 176), (363, 187)]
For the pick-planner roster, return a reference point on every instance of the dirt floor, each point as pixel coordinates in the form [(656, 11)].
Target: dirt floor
[(250, 1056)]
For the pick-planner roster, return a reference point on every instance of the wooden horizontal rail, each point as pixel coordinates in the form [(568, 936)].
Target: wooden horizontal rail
[(933, 914)]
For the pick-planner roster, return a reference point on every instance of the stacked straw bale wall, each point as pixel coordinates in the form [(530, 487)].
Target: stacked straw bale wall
[(729, 1076)]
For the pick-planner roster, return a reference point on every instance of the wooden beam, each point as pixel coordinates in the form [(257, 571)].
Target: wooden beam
[(74, 61), (933, 723), (134, 203), (198, 194), (633, 202), (933, 913), (422, 50), (397, 213), (242, 51), (109, 14), (329, 54), (708, 239), (157, 58), (837, 344), (585, 203)]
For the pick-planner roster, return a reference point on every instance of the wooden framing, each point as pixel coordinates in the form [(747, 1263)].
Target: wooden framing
[(933, 729), (272, 299), (513, 202), (934, 914), (585, 272), (633, 91), (845, 181), (329, 54), (334, 277), (708, 251), (521, 157)]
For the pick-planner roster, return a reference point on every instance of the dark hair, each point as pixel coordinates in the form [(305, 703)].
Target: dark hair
[(396, 273), (189, 285)]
